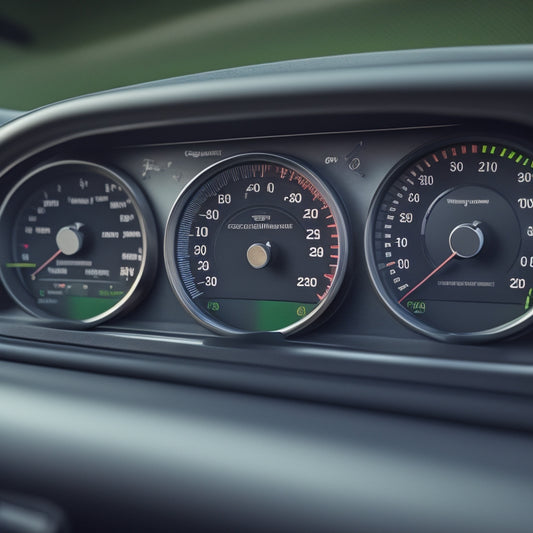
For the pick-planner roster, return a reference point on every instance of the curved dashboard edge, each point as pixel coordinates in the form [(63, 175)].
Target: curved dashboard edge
[(430, 88)]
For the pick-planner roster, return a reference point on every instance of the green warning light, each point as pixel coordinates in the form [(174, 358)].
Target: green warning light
[(301, 311), (416, 307), (213, 306)]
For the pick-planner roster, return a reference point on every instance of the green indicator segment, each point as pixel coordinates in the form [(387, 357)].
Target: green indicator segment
[(528, 299), (511, 155), (502, 153), (493, 150), (258, 315), (84, 307), (484, 149), (277, 315), (525, 161), (519, 158), (21, 265)]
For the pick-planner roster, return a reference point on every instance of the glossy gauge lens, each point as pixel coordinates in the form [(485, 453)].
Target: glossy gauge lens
[(256, 243), (449, 241), (80, 242)]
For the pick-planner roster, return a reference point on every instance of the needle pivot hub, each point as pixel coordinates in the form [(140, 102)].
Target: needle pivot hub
[(258, 255), (69, 239), (467, 240)]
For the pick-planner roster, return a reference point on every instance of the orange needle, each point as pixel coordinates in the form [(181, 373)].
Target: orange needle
[(427, 277), (45, 264)]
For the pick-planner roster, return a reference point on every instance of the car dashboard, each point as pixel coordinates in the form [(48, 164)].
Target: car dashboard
[(372, 407)]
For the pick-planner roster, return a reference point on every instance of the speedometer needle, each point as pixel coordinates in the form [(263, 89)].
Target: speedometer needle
[(45, 264), (427, 277)]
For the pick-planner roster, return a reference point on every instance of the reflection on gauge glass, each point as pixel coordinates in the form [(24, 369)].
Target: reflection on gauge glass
[(449, 241), (256, 243), (82, 244)]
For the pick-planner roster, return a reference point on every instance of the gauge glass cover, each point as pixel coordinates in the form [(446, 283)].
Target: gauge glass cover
[(82, 242), (256, 243), (449, 241)]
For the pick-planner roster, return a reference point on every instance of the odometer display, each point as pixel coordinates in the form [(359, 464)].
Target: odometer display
[(256, 243), (449, 241)]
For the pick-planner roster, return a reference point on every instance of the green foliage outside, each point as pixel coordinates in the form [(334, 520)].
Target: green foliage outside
[(80, 47)]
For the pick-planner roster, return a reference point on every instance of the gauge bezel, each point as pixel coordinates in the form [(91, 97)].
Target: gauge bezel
[(190, 190), (512, 327), (148, 265)]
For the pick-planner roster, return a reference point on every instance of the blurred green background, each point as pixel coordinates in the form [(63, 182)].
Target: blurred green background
[(55, 49)]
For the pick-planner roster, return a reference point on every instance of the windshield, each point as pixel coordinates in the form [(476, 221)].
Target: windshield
[(58, 49)]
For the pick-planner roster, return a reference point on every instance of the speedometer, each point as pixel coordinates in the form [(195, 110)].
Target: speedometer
[(79, 243), (449, 241), (256, 243)]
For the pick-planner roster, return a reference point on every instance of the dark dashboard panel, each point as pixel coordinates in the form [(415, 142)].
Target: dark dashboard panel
[(243, 425), (126, 454)]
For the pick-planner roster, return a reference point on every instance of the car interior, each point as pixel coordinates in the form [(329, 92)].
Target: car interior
[(283, 296)]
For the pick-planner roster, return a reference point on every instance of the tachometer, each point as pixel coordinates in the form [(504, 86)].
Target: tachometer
[(256, 243), (449, 241), (79, 242)]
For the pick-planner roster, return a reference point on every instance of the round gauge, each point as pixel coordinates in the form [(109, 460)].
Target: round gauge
[(449, 241), (80, 242), (256, 243)]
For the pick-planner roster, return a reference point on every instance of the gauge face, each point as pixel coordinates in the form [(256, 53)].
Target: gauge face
[(449, 241), (256, 243), (82, 242)]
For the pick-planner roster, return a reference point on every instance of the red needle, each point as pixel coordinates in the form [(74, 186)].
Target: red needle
[(427, 277), (45, 264)]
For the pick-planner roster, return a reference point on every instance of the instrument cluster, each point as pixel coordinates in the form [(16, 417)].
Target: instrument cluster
[(277, 234)]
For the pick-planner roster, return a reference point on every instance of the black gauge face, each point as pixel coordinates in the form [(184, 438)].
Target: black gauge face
[(449, 241), (256, 243), (81, 242)]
